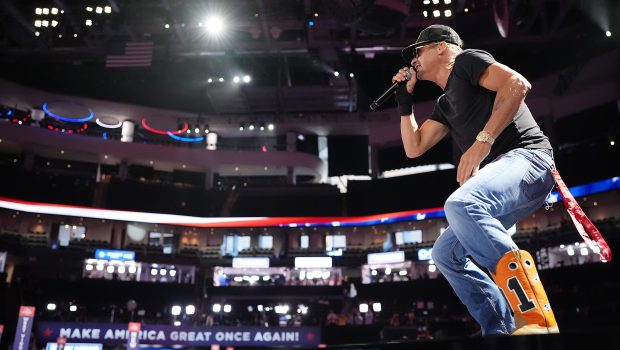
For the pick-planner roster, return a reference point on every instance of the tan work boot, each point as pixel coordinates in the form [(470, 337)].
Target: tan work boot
[(517, 277)]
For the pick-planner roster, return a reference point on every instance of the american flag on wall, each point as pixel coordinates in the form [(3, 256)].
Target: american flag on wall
[(132, 54)]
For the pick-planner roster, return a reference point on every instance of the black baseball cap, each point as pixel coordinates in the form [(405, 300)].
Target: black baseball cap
[(432, 34)]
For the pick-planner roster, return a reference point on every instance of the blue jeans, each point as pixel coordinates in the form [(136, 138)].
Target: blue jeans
[(479, 214)]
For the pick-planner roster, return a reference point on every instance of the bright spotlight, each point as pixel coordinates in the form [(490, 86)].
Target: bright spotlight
[(376, 307), (190, 309), (110, 269), (336, 73), (251, 127), (167, 26), (51, 306), (46, 11), (217, 307), (99, 267), (162, 272), (436, 13), (54, 11), (608, 33), (236, 79), (281, 309), (153, 272), (432, 268), (215, 25), (89, 9), (99, 9), (73, 308), (247, 79), (177, 323), (107, 9), (176, 310), (209, 80), (121, 269), (89, 267), (221, 80), (173, 273), (37, 23), (54, 23), (132, 269), (447, 13), (38, 11), (227, 308), (270, 126), (363, 308), (89, 22)]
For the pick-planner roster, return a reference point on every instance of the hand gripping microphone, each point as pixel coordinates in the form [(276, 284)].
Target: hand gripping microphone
[(388, 93)]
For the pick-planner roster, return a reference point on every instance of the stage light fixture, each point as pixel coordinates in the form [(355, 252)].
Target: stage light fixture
[(227, 308), (175, 310), (376, 307), (236, 80), (217, 308), (363, 308), (247, 79), (51, 306), (608, 33), (107, 9), (190, 309), (215, 25), (99, 10), (54, 11), (73, 308)]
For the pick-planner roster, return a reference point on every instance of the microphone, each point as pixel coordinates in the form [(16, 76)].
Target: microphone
[(388, 93)]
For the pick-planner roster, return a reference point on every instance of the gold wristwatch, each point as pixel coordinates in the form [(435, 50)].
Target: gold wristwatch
[(484, 136)]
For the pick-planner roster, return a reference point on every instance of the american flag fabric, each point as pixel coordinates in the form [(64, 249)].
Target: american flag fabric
[(132, 54)]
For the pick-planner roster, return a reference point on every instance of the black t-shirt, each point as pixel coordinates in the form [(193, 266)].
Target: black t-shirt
[(465, 107)]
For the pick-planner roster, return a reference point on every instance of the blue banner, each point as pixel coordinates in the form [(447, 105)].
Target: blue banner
[(118, 334), (122, 255), (24, 327)]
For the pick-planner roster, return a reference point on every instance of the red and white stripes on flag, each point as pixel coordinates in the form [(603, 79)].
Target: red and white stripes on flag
[(134, 54)]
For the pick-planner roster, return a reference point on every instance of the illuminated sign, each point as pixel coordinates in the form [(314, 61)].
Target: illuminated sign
[(122, 255), (250, 262), (313, 262), (386, 258), (425, 254)]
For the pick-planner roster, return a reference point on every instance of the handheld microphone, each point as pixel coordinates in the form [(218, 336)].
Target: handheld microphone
[(388, 93)]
